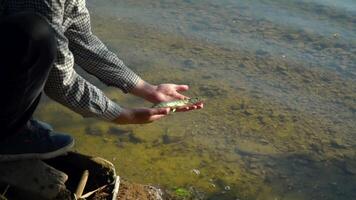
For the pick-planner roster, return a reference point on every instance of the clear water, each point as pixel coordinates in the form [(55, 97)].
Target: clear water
[(280, 82)]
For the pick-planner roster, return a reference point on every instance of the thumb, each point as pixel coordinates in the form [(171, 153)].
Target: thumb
[(182, 88), (160, 111)]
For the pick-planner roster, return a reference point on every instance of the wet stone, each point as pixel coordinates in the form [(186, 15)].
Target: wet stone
[(264, 141), (92, 130), (241, 65), (350, 167), (261, 53), (167, 139), (120, 144), (207, 77), (337, 143), (212, 91), (134, 139), (117, 131), (130, 138), (316, 147), (189, 63), (235, 107)]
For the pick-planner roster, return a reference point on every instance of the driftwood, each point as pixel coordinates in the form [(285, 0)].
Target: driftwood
[(82, 183)]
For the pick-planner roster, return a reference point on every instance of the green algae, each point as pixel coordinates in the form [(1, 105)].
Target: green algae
[(182, 193)]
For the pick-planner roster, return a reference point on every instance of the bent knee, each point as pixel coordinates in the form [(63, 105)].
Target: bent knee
[(36, 28)]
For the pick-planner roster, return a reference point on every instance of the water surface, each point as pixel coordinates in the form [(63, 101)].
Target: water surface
[(280, 82)]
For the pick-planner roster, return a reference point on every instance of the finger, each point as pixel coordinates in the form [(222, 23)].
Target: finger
[(159, 111), (184, 109), (199, 105), (193, 107), (180, 96), (156, 117), (182, 88)]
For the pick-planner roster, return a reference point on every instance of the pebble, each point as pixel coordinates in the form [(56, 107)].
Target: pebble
[(189, 63), (117, 131), (227, 188), (264, 141), (196, 171), (91, 130), (337, 143), (350, 168), (336, 35)]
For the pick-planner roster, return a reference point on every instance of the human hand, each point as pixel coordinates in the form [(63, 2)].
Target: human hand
[(163, 93), (141, 115)]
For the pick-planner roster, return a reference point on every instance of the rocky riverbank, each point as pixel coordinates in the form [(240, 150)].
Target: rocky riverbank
[(61, 179)]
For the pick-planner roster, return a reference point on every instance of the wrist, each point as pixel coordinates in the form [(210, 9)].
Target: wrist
[(124, 117), (144, 90)]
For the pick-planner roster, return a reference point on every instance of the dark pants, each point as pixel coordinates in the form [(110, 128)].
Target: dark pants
[(27, 52)]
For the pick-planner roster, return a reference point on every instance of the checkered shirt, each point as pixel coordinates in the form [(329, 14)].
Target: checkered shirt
[(77, 45)]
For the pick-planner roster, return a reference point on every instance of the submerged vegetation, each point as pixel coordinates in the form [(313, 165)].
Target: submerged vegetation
[(272, 127)]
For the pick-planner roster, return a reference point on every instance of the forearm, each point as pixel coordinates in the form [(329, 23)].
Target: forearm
[(81, 97), (94, 57)]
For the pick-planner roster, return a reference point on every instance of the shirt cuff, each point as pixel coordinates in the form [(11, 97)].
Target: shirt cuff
[(112, 112), (129, 82)]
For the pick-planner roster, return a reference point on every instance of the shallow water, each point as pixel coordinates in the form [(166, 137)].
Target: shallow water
[(280, 82)]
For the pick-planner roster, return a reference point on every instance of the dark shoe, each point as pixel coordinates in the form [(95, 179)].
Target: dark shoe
[(37, 141), (40, 124)]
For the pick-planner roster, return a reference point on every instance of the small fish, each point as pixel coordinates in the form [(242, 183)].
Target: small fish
[(178, 103)]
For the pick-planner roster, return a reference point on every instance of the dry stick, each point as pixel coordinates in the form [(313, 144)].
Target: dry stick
[(82, 183), (116, 188), (5, 191), (2, 196)]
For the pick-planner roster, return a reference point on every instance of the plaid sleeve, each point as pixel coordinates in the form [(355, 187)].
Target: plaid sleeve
[(70, 19), (93, 56), (67, 87)]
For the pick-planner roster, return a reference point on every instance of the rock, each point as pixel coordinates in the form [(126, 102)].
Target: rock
[(212, 91), (234, 107), (155, 193), (189, 63), (73, 164), (92, 130), (167, 139), (58, 178), (124, 135), (337, 143), (264, 141), (134, 139), (130, 191), (207, 77), (195, 171), (117, 131), (241, 65), (261, 53), (33, 179), (316, 147), (350, 167)]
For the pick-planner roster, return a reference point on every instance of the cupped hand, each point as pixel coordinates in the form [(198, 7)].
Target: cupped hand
[(164, 92), (171, 92), (167, 92), (141, 115)]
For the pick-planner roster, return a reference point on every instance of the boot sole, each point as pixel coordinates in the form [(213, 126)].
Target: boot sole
[(40, 156)]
